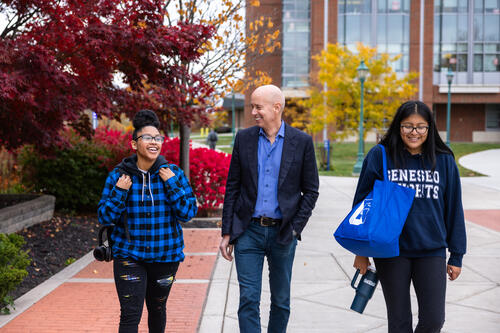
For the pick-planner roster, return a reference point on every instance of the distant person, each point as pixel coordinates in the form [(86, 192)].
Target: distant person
[(271, 190), (212, 139), (145, 197), (418, 158)]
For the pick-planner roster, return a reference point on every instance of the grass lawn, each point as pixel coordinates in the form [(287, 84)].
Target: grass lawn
[(343, 156), (223, 139)]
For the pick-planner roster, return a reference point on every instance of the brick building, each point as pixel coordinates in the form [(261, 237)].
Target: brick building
[(431, 35)]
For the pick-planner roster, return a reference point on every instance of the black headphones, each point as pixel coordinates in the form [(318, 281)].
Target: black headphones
[(104, 252)]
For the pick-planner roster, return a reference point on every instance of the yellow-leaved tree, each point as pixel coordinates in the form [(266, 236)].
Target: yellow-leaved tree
[(384, 91)]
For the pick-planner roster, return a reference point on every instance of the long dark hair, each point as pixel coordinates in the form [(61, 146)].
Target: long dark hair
[(432, 146)]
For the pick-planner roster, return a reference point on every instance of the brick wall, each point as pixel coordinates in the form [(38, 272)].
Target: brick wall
[(464, 118)]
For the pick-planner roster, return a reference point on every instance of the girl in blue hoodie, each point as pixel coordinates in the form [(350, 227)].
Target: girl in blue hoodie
[(145, 197), (418, 158)]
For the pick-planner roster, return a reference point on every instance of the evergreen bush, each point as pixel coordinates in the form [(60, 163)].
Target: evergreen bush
[(13, 263)]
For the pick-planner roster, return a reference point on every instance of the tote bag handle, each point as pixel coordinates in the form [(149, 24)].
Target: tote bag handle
[(384, 159)]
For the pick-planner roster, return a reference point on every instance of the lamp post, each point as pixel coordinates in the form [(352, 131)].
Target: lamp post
[(449, 77), (232, 119), (362, 73)]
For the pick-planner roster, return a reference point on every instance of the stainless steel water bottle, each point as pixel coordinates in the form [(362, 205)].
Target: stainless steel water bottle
[(365, 288)]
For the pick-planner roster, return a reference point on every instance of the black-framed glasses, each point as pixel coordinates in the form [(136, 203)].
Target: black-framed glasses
[(149, 138), (421, 129)]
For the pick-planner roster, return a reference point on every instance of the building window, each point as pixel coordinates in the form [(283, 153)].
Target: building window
[(296, 43), (467, 40), (493, 117), (382, 23)]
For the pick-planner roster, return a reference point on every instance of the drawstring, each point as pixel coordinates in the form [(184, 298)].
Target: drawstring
[(143, 181), (149, 187)]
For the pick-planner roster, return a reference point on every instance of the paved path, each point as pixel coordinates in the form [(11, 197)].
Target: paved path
[(321, 292), (82, 297)]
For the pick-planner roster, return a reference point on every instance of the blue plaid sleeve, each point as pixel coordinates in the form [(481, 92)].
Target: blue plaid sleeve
[(180, 195), (112, 202)]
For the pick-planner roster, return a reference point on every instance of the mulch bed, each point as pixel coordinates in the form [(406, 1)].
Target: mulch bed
[(54, 244)]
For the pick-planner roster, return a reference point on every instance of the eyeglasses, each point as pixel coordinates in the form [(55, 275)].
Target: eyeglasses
[(407, 129), (148, 138)]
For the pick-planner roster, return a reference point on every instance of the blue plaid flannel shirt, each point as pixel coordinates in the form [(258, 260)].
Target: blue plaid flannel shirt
[(153, 210)]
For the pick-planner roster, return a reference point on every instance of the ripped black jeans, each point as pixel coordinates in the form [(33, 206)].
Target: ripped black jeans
[(137, 281)]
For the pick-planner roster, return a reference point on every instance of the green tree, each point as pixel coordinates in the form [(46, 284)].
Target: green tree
[(384, 91)]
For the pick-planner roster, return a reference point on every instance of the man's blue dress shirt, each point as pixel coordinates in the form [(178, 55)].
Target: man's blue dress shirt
[(269, 156)]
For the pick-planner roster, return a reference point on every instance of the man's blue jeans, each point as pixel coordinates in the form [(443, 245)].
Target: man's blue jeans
[(250, 249)]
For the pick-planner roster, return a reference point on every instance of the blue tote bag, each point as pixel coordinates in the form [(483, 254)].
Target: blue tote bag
[(373, 226)]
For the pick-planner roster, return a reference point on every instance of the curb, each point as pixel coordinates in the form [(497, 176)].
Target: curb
[(24, 302)]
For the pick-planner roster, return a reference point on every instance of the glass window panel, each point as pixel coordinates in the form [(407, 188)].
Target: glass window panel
[(365, 29), (406, 28), (381, 48), (435, 62), (478, 27), (462, 47), (437, 6), (491, 6), (353, 31), (449, 48), (493, 116), (302, 26), (437, 28), (381, 29), (406, 63), (394, 48), (490, 48), (382, 6), (492, 27), (394, 28), (478, 62), (395, 6), (478, 47), (463, 6), (462, 27), (449, 28), (462, 62), (450, 6), (478, 6), (341, 6), (491, 63), (406, 6), (341, 29), (358, 6)]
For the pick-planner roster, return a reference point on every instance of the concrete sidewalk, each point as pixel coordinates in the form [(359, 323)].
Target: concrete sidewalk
[(321, 291), (82, 297)]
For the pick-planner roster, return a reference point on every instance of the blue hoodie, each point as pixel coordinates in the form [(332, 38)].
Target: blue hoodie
[(436, 220)]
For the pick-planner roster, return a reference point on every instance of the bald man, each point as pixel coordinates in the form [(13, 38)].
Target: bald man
[(271, 190)]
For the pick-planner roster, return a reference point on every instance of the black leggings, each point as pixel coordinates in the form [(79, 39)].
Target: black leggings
[(138, 281), (428, 275)]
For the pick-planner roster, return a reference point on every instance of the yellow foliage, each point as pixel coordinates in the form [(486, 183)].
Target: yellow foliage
[(255, 3), (383, 91)]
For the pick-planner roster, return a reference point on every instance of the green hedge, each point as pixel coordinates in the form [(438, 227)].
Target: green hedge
[(13, 263), (75, 175)]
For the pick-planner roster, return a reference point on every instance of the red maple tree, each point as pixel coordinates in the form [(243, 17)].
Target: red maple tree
[(59, 58)]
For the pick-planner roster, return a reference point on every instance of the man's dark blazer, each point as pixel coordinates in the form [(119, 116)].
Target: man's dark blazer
[(297, 184)]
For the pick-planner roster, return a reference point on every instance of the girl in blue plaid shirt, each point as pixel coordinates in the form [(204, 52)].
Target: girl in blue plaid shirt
[(145, 197)]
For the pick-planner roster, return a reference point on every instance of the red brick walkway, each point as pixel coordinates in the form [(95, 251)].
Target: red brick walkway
[(92, 306), (486, 218)]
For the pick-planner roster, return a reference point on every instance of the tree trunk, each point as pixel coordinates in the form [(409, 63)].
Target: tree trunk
[(184, 133)]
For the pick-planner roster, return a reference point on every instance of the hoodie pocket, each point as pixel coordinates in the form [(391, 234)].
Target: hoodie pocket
[(421, 233)]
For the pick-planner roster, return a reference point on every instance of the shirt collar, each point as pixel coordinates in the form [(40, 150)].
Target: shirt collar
[(281, 131)]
